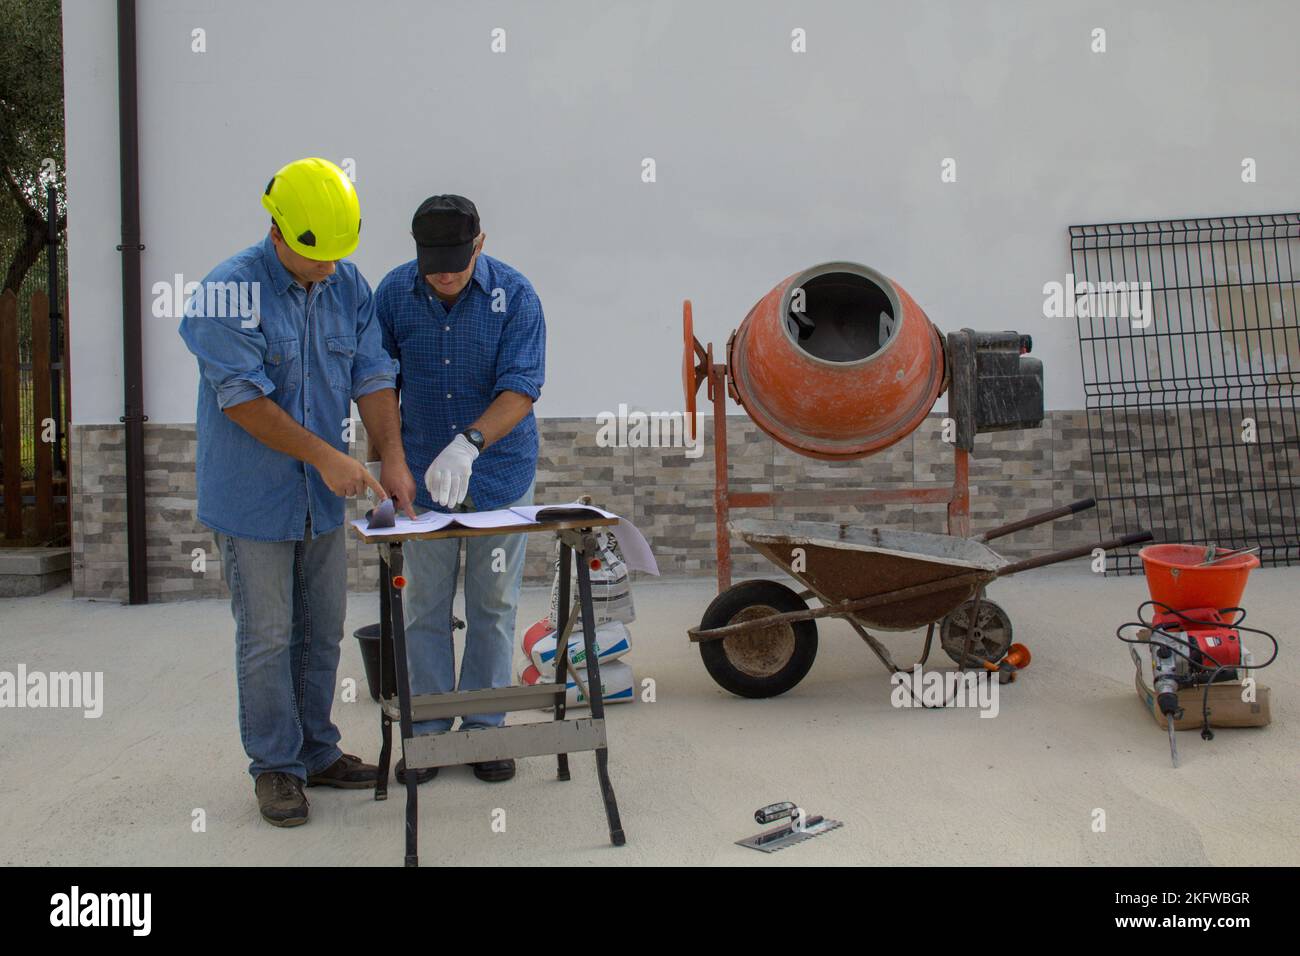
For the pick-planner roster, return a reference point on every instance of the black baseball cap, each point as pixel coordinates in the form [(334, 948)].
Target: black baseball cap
[(444, 228)]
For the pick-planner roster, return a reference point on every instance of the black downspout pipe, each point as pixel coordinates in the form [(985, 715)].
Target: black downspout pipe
[(56, 323), (132, 354)]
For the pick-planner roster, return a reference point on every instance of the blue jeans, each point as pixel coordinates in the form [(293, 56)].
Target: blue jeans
[(491, 599), (289, 599)]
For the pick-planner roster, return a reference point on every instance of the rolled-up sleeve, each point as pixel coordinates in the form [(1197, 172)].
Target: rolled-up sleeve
[(231, 357), (385, 313), (521, 361), (372, 367)]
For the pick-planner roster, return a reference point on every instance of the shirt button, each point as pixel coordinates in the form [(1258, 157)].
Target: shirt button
[(449, 394), (446, 328), (446, 361)]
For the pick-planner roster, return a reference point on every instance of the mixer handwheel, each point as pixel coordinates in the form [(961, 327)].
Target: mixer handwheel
[(992, 637), (766, 661)]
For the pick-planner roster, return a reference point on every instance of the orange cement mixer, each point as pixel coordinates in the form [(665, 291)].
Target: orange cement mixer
[(837, 362)]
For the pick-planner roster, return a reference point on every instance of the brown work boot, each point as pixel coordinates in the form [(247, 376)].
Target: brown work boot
[(281, 800), (422, 774), (494, 771), (347, 772)]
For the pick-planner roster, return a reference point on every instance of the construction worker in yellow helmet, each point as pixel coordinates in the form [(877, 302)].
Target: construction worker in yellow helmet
[(286, 340)]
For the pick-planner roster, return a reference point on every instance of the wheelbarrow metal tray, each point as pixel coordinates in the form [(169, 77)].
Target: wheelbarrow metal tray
[(843, 562)]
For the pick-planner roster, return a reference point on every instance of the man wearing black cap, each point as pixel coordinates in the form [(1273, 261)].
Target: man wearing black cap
[(468, 333)]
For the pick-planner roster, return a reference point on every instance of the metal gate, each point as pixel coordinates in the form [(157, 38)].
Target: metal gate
[(1191, 402)]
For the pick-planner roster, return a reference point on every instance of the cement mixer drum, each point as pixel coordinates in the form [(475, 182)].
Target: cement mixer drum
[(837, 362)]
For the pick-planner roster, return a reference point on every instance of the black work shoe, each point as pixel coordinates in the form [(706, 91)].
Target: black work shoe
[(494, 771), (422, 775), (347, 772), (281, 800)]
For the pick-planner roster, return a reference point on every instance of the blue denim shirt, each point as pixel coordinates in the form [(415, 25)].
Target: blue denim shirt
[(455, 361), (255, 331)]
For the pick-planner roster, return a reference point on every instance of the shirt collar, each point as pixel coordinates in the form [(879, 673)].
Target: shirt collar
[(481, 273), (280, 278), (480, 276)]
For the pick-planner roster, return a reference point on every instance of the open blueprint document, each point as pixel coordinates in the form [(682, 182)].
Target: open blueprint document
[(636, 550)]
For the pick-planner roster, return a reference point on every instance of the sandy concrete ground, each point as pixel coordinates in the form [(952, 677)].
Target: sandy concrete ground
[(912, 786)]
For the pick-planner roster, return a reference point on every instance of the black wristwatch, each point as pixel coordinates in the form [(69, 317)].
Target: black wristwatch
[(475, 437)]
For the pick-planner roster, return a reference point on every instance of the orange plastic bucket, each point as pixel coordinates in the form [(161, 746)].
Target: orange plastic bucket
[(1174, 579)]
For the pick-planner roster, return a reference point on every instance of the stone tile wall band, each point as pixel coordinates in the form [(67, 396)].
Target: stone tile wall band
[(666, 493)]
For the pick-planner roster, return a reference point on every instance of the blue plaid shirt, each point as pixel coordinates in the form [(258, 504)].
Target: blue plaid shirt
[(455, 361), (312, 354)]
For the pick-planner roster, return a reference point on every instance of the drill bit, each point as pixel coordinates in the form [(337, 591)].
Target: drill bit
[(1173, 742)]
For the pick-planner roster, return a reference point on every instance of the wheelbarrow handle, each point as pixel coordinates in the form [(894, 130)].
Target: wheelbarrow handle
[(1137, 537), (1083, 504)]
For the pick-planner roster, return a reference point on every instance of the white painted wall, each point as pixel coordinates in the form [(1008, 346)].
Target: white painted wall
[(768, 161)]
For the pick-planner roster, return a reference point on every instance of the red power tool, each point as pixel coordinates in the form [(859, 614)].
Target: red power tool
[(1209, 639)]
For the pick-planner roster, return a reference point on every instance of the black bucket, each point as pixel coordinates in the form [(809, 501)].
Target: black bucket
[(368, 638)]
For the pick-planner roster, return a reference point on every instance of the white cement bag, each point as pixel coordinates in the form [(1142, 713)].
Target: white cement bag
[(612, 642), (616, 678)]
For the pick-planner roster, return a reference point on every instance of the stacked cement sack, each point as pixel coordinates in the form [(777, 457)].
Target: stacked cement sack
[(611, 598)]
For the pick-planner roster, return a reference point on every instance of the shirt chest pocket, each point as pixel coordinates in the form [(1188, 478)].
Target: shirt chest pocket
[(281, 363), (339, 353)]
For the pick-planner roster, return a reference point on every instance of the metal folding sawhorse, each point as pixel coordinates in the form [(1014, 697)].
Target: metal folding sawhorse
[(559, 736)]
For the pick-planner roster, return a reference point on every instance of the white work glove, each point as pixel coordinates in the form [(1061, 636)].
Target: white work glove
[(448, 477)]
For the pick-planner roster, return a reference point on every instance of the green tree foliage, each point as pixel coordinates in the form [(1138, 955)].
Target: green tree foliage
[(31, 127)]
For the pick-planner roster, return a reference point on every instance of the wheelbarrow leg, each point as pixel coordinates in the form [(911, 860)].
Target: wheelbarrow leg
[(970, 631), (883, 653), (877, 648)]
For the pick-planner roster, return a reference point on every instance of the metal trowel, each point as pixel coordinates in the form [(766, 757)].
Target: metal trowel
[(383, 515), (798, 826)]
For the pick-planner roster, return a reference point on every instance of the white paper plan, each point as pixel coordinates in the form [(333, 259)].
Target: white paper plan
[(636, 550), (437, 521)]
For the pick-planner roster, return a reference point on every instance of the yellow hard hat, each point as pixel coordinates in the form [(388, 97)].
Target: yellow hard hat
[(316, 207)]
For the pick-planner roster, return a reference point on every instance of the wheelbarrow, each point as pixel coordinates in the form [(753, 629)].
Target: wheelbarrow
[(758, 638)]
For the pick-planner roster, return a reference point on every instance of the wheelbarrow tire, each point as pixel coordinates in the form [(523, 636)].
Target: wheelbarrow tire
[(767, 662), (992, 638)]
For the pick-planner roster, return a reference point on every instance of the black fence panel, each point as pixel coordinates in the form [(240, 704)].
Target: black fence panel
[(1189, 338)]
